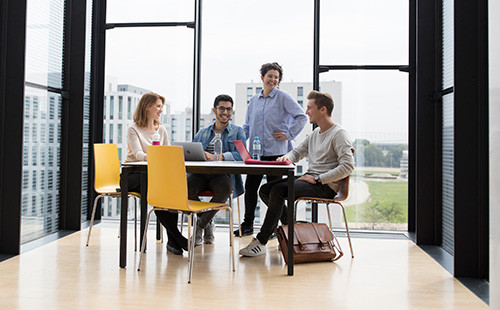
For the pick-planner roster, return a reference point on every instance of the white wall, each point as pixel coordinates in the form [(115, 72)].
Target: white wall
[(494, 72)]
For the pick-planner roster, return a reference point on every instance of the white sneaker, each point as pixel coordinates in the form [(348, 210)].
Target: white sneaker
[(255, 248)]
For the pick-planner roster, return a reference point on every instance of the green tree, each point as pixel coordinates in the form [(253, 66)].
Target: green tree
[(391, 212), (374, 157)]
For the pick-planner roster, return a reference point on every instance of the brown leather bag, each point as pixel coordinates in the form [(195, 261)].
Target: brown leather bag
[(313, 242)]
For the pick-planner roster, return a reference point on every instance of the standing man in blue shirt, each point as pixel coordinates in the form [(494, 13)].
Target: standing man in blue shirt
[(220, 184), (276, 118)]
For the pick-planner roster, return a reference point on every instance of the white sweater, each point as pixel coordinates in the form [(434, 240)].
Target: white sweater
[(138, 140), (330, 155)]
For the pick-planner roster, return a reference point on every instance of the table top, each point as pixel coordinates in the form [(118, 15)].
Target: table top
[(228, 164)]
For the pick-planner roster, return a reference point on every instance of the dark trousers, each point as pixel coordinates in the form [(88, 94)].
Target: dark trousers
[(274, 195), (252, 184), (220, 184), (167, 219)]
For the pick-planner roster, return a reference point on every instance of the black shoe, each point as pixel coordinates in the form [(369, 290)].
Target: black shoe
[(174, 250), (245, 231)]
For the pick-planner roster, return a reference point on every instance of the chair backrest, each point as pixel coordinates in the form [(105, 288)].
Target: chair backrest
[(344, 187), (167, 184), (107, 166)]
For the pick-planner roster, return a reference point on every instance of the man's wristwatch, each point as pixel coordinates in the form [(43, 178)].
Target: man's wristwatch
[(316, 178)]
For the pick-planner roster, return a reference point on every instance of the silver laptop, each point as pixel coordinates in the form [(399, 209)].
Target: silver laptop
[(193, 151)]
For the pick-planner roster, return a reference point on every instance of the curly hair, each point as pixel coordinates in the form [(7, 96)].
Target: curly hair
[(271, 66)]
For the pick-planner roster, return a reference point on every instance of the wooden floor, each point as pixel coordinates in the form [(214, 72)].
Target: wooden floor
[(385, 274)]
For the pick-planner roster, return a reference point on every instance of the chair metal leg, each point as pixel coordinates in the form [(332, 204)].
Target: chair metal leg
[(189, 235), (239, 217), (92, 217), (295, 209), (191, 249), (135, 224), (346, 228), (329, 217), (231, 238), (143, 246)]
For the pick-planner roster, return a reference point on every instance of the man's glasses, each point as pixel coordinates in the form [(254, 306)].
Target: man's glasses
[(228, 109)]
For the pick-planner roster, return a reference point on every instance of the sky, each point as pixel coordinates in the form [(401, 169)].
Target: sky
[(239, 36)]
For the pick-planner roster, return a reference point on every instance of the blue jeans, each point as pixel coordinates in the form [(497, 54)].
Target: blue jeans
[(220, 184)]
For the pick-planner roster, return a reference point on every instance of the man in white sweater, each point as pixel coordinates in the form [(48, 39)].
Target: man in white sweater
[(330, 160)]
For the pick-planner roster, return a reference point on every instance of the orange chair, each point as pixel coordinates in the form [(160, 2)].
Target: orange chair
[(167, 191), (107, 180), (341, 196)]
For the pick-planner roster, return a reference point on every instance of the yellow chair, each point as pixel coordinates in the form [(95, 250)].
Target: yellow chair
[(107, 180), (341, 196), (167, 191)]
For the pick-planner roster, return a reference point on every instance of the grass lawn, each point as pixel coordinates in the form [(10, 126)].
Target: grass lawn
[(388, 203)]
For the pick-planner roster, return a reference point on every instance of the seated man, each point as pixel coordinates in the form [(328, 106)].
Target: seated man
[(330, 160), (220, 184)]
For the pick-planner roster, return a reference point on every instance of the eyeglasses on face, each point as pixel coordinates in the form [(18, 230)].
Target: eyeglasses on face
[(228, 109)]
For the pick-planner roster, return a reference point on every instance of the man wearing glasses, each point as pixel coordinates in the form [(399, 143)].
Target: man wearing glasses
[(220, 184)]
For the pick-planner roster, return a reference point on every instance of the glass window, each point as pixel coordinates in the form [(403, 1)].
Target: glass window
[(149, 10), (119, 134), (111, 106), (364, 32), (110, 133), (300, 95), (120, 107), (249, 94), (25, 179), (129, 108), (376, 118)]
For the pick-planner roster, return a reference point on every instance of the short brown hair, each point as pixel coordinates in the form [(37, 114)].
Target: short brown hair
[(322, 100), (147, 100), (271, 66)]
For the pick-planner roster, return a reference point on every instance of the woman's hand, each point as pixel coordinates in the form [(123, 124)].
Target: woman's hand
[(279, 135)]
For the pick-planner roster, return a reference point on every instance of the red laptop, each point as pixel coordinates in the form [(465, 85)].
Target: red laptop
[(242, 149)]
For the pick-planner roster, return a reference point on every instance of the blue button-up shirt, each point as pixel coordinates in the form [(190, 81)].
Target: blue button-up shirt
[(277, 111), (229, 151)]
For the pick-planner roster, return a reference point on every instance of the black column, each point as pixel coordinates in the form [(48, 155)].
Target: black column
[(72, 115), (98, 52), (12, 64), (427, 165), (412, 117), (197, 69), (471, 139)]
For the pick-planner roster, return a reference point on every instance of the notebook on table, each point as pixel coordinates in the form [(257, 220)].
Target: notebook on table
[(193, 151), (247, 159)]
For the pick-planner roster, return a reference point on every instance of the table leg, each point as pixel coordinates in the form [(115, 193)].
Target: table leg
[(144, 205), (314, 212), (291, 219), (123, 219)]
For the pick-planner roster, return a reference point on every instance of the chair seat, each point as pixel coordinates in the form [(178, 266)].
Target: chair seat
[(314, 199), (196, 206), (111, 190)]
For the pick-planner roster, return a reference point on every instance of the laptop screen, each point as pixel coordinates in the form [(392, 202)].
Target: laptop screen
[(242, 149)]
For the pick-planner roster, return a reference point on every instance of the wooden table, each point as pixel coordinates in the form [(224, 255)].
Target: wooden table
[(203, 167)]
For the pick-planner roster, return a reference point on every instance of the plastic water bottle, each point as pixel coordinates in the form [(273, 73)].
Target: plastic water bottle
[(156, 138), (256, 149), (217, 147)]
